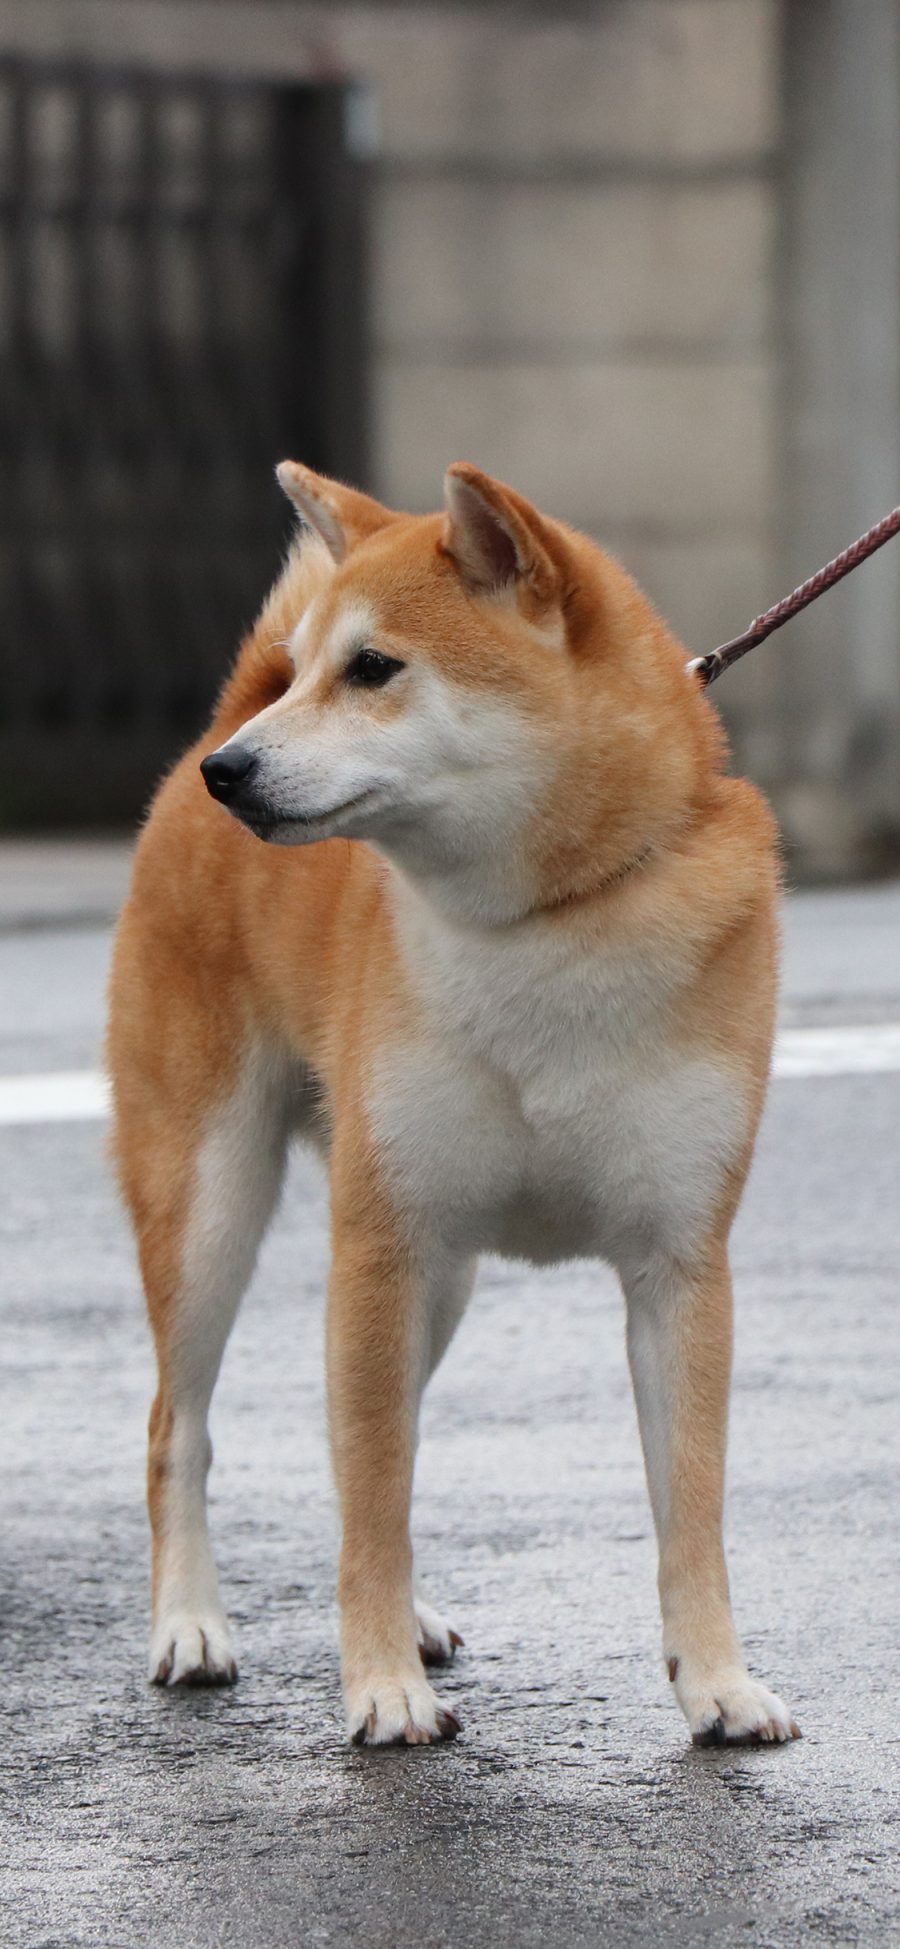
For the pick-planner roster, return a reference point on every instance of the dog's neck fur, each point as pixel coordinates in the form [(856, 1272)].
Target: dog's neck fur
[(503, 887), (571, 851)]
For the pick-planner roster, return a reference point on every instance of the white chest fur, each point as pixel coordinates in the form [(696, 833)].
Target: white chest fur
[(541, 1107)]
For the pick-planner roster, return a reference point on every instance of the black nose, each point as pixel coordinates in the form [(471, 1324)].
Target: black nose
[(227, 769)]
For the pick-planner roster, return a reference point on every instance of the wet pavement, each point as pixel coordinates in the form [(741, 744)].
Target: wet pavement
[(571, 1811)]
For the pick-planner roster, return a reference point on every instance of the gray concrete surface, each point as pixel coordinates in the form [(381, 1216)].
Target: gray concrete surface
[(571, 1812), (59, 882)]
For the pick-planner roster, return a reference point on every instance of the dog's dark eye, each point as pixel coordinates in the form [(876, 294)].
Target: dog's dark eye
[(370, 669)]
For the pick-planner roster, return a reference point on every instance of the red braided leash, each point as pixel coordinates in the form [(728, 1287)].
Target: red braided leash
[(708, 668)]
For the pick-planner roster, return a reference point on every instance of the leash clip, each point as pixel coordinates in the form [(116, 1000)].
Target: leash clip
[(708, 668)]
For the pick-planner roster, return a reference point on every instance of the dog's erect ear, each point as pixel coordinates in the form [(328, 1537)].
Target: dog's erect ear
[(339, 514), (495, 537)]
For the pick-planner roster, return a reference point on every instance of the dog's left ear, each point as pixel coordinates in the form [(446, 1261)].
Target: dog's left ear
[(496, 537), (340, 515)]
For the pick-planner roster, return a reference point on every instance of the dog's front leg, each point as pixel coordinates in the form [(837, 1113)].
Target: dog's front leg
[(378, 1346), (679, 1346)]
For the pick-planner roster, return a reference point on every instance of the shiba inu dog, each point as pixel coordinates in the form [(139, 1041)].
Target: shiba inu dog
[(528, 1011)]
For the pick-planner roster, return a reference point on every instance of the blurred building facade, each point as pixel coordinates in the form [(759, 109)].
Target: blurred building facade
[(641, 258)]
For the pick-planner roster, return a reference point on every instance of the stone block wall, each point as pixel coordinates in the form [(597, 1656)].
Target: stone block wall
[(575, 215)]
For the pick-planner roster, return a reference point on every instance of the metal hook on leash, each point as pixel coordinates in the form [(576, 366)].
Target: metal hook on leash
[(709, 667)]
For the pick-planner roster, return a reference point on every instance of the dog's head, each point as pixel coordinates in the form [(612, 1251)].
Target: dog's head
[(483, 684)]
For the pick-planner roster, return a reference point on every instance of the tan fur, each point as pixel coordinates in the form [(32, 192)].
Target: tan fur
[(636, 849)]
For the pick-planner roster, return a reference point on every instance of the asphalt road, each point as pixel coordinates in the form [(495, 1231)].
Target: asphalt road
[(572, 1811)]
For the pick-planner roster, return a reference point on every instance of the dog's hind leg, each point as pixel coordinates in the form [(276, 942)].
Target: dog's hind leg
[(679, 1347), (201, 1166)]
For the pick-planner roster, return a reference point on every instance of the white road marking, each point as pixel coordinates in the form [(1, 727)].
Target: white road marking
[(82, 1095), (58, 1096), (844, 1051)]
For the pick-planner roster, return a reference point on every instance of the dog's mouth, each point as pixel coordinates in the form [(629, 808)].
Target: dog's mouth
[(291, 828)]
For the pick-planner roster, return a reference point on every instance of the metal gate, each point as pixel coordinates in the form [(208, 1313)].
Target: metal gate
[(182, 293)]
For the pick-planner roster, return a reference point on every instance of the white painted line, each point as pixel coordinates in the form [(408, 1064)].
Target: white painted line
[(81, 1095), (838, 1052), (61, 1096)]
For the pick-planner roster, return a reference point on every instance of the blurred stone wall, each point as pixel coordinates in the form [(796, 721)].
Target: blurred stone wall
[(579, 269), (573, 235)]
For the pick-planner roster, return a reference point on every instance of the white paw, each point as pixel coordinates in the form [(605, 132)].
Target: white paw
[(398, 1711), (192, 1648), (729, 1708), (436, 1639)]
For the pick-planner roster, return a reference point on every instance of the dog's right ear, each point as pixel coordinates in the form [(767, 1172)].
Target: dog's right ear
[(340, 515)]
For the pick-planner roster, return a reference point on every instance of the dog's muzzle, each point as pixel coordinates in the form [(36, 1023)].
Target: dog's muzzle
[(228, 775)]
